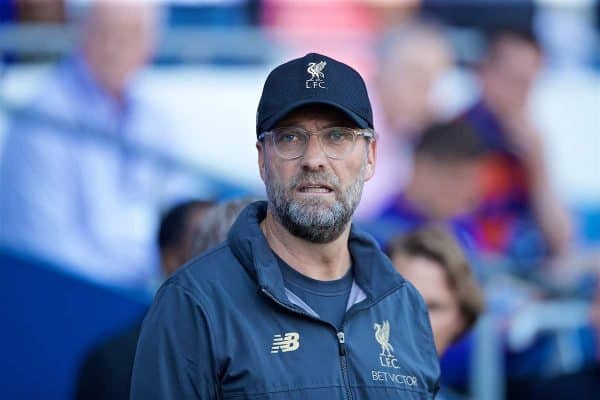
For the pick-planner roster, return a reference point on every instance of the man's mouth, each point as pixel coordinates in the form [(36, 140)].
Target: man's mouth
[(315, 188)]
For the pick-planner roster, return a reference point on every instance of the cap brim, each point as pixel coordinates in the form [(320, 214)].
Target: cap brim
[(270, 122)]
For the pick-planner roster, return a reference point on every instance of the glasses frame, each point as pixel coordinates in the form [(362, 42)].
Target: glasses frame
[(367, 133)]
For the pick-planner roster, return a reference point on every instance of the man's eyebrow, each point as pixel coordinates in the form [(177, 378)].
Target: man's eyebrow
[(328, 124), (339, 122)]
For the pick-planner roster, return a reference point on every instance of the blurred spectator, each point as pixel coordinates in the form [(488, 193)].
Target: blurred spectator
[(412, 58), (106, 372), (431, 259), (411, 61), (177, 232), (76, 188), (443, 186), (215, 225), (522, 216)]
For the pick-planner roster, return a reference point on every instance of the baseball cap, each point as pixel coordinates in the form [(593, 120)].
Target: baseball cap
[(313, 79)]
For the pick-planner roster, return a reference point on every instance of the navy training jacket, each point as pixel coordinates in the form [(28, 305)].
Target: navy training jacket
[(225, 327)]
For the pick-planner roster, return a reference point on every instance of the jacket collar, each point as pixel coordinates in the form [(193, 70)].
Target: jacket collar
[(373, 271)]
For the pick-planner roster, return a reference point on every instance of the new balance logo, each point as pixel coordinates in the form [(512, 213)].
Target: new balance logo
[(289, 342)]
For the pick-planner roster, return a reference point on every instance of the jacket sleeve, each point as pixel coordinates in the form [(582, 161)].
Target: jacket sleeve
[(174, 358)]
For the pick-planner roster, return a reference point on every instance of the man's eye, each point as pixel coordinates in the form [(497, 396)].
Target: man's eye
[(337, 136), (289, 138)]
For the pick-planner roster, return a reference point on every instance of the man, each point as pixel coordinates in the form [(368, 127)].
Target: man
[(522, 215), (444, 186), (412, 60), (106, 371), (216, 224), (177, 232), (297, 303), (72, 173)]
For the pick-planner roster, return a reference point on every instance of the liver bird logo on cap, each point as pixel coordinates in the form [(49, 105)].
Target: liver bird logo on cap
[(316, 70), (316, 75)]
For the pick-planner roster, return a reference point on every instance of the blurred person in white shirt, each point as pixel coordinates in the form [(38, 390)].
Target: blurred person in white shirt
[(77, 189)]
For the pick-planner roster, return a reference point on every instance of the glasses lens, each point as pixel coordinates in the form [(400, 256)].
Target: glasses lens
[(290, 142), (337, 142)]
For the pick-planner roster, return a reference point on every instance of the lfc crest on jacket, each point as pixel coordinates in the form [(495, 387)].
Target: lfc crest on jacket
[(387, 359), (382, 335)]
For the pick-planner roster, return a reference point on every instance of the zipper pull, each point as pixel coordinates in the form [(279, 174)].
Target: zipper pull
[(341, 342)]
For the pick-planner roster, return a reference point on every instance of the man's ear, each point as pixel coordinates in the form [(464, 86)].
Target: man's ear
[(261, 159), (371, 159)]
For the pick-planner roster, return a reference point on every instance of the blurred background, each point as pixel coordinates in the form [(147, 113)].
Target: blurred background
[(123, 122)]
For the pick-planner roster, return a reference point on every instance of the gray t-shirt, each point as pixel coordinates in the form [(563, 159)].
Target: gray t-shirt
[(326, 298)]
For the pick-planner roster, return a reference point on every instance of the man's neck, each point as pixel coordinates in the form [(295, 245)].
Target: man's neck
[(115, 92), (320, 261)]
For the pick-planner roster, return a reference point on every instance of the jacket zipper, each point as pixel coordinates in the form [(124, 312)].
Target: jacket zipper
[(342, 348), (340, 338), (343, 362)]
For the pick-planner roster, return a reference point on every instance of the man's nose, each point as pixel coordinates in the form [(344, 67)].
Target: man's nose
[(314, 157)]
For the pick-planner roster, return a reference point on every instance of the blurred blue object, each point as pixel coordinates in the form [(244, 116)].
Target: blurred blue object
[(455, 363), (588, 222), (220, 15), (8, 13), (554, 353), (50, 321), (223, 15), (8, 10)]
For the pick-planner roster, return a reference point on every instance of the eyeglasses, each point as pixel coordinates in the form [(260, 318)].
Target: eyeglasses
[(336, 142)]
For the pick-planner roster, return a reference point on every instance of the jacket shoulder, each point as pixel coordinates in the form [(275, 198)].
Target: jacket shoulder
[(216, 267)]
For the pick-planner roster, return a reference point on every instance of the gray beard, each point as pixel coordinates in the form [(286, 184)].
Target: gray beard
[(311, 219)]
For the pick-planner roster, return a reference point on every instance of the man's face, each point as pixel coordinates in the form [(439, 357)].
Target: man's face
[(407, 82), (430, 280), (509, 74), (119, 40), (314, 196), (452, 187)]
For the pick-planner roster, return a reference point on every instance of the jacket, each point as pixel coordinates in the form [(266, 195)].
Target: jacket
[(225, 327)]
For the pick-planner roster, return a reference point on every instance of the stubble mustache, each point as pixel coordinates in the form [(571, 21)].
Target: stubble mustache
[(304, 178)]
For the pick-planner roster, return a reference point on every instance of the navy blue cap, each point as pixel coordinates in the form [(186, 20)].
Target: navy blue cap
[(313, 79)]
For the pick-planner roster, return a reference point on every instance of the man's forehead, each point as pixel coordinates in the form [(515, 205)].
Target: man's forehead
[(321, 113)]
